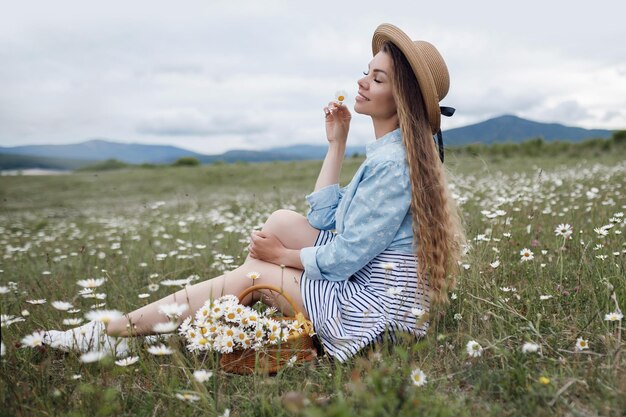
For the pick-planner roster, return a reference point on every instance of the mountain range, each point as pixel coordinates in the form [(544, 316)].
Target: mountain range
[(505, 128)]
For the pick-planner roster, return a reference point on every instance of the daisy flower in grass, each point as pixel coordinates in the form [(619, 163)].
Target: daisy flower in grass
[(41, 301), (187, 397), (526, 254), (564, 230), (61, 305), (104, 316), (173, 310), (582, 344), (418, 312), (91, 282), (72, 321), (495, 264), (418, 377), (167, 327), (127, 361), (530, 347), (95, 356), (474, 349), (160, 350), (202, 375), (614, 316), (34, 339), (2, 349), (6, 320)]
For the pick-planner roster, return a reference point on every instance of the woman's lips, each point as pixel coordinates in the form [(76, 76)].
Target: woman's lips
[(361, 97)]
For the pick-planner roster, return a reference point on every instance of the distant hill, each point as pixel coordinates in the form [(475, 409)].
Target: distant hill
[(100, 149), (16, 162), (509, 128), (500, 129)]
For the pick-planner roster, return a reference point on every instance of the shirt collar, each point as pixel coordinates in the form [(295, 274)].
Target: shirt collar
[(392, 137)]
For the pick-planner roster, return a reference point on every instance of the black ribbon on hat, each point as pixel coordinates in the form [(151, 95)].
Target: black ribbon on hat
[(448, 112)]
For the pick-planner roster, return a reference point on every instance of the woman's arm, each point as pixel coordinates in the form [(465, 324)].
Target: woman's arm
[(331, 168), (337, 126)]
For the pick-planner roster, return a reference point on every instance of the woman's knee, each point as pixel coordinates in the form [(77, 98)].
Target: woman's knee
[(291, 228), (281, 219)]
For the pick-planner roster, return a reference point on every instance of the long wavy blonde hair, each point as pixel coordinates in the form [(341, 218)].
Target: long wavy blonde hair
[(438, 231)]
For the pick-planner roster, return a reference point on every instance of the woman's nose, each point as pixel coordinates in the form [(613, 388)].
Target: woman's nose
[(362, 83)]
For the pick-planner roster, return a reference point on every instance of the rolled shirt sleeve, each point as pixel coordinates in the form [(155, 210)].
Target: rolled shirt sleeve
[(323, 205), (378, 208)]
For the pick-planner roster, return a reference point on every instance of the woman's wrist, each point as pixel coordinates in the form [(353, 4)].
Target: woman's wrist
[(291, 258)]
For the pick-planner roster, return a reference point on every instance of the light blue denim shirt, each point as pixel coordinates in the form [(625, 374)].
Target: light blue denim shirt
[(370, 214)]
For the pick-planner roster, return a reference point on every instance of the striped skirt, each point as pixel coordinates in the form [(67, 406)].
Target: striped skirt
[(378, 300)]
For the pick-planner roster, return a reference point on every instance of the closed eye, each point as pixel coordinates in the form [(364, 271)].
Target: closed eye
[(366, 73)]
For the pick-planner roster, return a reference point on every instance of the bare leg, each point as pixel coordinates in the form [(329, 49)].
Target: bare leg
[(291, 228)]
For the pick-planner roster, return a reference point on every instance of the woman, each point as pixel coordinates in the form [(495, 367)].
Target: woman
[(397, 233)]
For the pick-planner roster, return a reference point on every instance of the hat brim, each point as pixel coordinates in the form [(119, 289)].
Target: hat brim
[(389, 32)]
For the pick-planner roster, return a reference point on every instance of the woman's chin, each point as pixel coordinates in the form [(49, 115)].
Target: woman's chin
[(357, 108)]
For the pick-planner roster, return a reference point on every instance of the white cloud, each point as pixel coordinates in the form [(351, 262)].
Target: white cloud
[(217, 75)]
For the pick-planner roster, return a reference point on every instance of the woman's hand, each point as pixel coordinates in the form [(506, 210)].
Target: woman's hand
[(266, 247), (337, 123)]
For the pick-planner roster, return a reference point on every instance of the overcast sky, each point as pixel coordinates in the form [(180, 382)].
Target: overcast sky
[(215, 75)]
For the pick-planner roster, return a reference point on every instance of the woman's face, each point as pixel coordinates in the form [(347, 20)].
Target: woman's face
[(375, 97)]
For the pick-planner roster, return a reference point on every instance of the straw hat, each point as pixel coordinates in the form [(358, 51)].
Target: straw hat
[(428, 65)]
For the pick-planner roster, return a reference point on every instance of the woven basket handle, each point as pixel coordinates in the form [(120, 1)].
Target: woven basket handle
[(249, 290)]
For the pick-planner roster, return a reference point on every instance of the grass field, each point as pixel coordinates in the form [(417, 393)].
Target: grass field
[(544, 330)]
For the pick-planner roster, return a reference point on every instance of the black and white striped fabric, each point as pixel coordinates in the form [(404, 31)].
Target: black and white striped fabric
[(376, 300)]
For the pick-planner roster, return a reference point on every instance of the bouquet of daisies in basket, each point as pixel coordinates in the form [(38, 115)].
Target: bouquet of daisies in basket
[(224, 325)]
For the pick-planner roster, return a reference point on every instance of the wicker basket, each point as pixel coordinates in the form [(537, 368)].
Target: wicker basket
[(272, 358)]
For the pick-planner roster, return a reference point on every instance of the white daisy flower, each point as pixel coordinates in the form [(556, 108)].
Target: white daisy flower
[(173, 310), (127, 361), (530, 347), (393, 291), (418, 312), (104, 316), (61, 305), (6, 320), (34, 339), (418, 377), (166, 327), (614, 316), (253, 275), (495, 264), (160, 350), (187, 397), (202, 375), (474, 349), (94, 356), (582, 344), (91, 282), (40, 301), (545, 297), (526, 254), (388, 266), (72, 321)]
